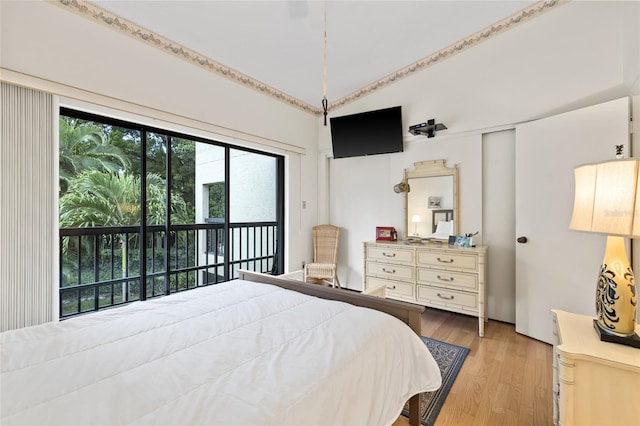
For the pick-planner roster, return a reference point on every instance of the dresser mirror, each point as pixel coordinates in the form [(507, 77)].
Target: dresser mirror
[(432, 197)]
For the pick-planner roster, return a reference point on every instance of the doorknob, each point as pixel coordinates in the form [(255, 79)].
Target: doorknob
[(522, 240)]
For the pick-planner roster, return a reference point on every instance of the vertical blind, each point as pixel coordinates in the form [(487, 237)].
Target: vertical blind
[(27, 207)]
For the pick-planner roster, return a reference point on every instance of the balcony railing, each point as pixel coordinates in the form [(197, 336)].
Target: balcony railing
[(100, 266)]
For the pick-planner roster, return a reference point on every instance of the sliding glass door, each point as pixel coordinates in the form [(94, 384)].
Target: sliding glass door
[(202, 208)]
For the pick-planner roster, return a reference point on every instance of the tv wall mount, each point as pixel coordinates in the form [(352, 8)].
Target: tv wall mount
[(429, 128)]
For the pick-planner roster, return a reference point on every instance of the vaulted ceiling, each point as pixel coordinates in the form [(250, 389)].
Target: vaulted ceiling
[(278, 47)]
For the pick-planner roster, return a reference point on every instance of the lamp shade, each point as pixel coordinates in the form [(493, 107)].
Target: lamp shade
[(606, 201), (415, 218), (606, 198)]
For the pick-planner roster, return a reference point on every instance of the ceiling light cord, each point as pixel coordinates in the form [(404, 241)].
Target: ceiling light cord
[(325, 103)]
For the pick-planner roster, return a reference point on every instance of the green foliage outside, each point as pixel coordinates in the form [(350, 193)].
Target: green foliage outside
[(100, 185), (98, 198), (216, 199), (85, 146)]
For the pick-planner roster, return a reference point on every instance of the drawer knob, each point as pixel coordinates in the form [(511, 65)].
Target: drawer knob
[(391, 288), (388, 255), (447, 298), (393, 271), (445, 261), (445, 279)]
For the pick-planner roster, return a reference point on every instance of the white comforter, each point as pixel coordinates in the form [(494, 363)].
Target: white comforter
[(233, 353)]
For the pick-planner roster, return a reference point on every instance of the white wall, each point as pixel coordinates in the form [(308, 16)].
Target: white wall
[(70, 52), (46, 41), (362, 195), (576, 55), (580, 54)]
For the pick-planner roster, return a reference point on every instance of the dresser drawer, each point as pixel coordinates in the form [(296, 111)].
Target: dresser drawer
[(445, 297), (395, 272), (447, 260), (391, 254), (397, 289), (448, 279), (437, 275)]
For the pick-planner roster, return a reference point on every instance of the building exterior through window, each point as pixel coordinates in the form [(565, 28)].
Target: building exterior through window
[(209, 210)]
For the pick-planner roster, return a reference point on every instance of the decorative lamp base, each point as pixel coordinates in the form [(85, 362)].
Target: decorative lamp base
[(606, 336), (616, 300)]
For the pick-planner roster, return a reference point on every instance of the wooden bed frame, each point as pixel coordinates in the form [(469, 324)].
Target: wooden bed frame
[(406, 312)]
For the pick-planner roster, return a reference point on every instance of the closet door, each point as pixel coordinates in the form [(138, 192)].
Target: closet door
[(556, 268)]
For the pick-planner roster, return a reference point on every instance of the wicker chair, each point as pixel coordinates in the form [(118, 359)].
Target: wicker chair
[(324, 268)]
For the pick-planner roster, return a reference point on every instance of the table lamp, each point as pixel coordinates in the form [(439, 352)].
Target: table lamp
[(607, 201), (415, 219)]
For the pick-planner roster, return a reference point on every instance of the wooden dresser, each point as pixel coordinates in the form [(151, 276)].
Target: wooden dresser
[(436, 275), (594, 382)]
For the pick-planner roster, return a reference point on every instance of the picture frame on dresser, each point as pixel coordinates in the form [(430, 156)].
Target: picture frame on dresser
[(462, 241), (386, 233)]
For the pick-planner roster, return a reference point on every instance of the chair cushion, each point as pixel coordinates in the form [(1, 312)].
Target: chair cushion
[(320, 270)]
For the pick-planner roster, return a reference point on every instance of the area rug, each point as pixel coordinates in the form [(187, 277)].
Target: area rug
[(449, 358)]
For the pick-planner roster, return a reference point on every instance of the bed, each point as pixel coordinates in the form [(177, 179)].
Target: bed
[(248, 351)]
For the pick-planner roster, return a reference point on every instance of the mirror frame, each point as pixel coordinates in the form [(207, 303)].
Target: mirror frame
[(433, 168)]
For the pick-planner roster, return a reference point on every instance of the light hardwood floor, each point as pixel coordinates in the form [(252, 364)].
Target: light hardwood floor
[(505, 379)]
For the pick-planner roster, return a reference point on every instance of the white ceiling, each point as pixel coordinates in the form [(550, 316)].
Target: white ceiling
[(280, 43)]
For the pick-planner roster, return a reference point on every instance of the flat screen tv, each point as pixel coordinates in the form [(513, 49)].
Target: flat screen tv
[(367, 133)]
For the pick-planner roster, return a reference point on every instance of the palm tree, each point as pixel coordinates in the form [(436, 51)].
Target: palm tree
[(98, 198), (84, 146)]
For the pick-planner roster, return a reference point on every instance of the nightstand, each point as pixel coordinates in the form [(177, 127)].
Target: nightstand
[(594, 382)]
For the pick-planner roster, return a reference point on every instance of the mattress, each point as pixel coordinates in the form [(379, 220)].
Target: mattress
[(233, 353)]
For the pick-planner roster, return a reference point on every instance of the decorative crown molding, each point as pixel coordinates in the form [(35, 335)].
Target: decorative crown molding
[(524, 15), (117, 23)]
